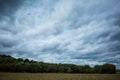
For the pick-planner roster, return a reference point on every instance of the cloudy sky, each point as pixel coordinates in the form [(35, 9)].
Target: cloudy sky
[(61, 31)]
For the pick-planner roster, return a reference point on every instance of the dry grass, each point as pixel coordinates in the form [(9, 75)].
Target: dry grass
[(57, 76)]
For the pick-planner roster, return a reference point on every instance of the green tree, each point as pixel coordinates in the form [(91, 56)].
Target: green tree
[(108, 68)]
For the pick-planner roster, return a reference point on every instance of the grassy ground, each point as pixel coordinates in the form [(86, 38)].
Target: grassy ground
[(57, 76)]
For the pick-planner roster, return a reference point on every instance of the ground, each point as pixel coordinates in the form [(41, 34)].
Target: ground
[(57, 76)]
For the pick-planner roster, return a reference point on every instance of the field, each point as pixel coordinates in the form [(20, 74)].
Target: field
[(57, 76)]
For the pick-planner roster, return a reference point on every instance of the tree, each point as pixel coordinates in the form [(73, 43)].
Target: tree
[(108, 68), (97, 69), (10, 64)]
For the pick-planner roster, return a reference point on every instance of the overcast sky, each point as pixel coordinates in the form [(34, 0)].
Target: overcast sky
[(61, 31)]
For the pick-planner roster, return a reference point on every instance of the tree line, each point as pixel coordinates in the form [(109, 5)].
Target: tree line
[(11, 64)]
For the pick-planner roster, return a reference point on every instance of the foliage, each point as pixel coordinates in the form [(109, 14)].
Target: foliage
[(10, 64)]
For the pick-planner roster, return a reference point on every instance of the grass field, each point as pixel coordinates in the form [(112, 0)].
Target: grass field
[(57, 76)]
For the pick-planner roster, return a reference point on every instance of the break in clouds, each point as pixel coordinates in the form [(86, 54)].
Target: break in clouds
[(61, 31)]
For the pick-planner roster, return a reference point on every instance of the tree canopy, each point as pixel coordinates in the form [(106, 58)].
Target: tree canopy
[(11, 64)]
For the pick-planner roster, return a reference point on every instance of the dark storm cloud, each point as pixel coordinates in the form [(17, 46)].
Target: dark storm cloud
[(74, 31), (7, 11), (115, 36), (8, 7), (6, 44)]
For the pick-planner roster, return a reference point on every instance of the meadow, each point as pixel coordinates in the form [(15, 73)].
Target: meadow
[(57, 76)]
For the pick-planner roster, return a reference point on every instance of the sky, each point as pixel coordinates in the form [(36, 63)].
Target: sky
[(61, 31)]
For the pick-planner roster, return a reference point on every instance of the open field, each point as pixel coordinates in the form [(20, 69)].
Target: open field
[(57, 76)]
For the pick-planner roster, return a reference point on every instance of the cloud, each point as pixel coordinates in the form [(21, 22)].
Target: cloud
[(8, 7), (79, 32)]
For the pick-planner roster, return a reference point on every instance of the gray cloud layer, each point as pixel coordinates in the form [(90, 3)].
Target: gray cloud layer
[(74, 31)]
